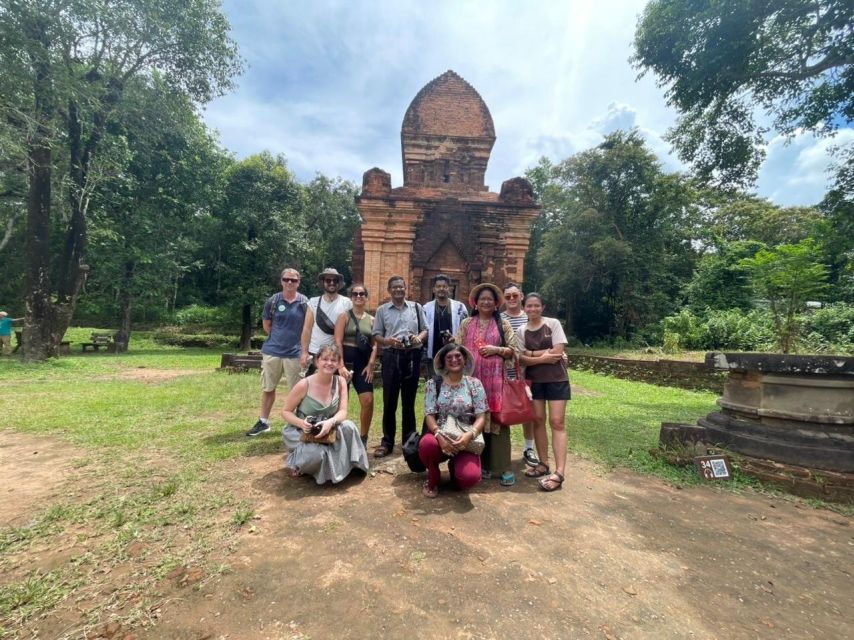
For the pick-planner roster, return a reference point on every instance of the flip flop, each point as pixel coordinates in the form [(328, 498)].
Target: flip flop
[(552, 482), (427, 492), (381, 452), (537, 472)]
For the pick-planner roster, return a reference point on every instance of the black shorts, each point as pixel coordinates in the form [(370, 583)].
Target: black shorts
[(356, 361), (550, 390)]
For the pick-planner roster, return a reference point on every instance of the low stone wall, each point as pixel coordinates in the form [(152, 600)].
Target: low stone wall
[(695, 376)]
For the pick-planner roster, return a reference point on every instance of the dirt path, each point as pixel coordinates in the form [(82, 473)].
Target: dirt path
[(613, 555)]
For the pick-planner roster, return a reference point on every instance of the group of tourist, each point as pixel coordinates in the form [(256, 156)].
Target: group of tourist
[(323, 345)]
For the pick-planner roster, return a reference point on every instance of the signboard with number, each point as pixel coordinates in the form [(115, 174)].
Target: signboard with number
[(713, 467)]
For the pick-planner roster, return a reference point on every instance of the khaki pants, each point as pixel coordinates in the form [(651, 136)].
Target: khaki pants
[(273, 368), (5, 345)]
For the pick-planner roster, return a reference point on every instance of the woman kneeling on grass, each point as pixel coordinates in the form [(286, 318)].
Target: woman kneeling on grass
[(462, 397), (321, 441), (543, 342)]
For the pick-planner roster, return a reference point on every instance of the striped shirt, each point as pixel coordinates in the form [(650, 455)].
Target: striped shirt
[(515, 322)]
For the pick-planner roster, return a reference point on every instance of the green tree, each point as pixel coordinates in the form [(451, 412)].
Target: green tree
[(143, 217), (618, 249), (720, 281), (259, 228), (331, 219), (787, 276), (67, 65), (722, 61)]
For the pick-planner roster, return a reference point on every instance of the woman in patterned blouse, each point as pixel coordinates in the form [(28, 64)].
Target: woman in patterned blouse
[(464, 398)]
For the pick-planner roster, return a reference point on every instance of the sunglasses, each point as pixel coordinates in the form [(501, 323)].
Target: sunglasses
[(359, 294), (330, 281), (512, 296), (292, 280)]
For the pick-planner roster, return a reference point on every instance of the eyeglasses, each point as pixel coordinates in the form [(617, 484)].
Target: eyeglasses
[(291, 280), (454, 356), (512, 296), (359, 294), (330, 281)]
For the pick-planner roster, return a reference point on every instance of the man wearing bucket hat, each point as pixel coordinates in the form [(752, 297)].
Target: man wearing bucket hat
[(6, 332), (321, 316)]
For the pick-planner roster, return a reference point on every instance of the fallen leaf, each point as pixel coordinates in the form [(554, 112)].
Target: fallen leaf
[(536, 523), (630, 590)]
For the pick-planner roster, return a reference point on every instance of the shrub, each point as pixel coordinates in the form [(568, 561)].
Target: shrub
[(200, 315), (171, 336)]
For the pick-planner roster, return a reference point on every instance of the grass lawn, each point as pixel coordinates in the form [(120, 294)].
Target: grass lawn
[(154, 425)]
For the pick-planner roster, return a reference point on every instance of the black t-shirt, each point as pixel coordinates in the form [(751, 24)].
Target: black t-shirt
[(441, 322)]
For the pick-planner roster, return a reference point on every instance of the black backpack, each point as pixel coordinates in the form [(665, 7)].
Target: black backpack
[(410, 447)]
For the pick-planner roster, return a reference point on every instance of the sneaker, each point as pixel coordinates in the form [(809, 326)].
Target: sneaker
[(258, 428), (530, 457)]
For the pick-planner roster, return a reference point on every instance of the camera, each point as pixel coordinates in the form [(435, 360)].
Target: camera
[(406, 341), (314, 421), (446, 336)]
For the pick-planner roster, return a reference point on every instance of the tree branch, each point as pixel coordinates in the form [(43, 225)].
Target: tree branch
[(806, 72), (10, 227)]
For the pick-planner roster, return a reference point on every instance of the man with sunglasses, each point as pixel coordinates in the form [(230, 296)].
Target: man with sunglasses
[(283, 319), (321, 317), (516, 316)]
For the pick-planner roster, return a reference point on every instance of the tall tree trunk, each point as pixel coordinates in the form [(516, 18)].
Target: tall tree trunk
[(39, 343), (246, 328), (125, 304)]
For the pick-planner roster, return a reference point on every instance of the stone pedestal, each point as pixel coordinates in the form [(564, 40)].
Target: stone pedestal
[(797, 410)]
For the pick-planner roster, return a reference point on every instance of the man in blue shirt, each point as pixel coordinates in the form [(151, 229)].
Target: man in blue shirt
[(283, 318), (6, 333)]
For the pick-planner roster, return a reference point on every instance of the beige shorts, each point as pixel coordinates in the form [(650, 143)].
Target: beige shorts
[(272, 369)]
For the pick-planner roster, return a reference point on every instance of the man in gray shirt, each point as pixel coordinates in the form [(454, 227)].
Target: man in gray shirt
[(283, 319), (400, 328)]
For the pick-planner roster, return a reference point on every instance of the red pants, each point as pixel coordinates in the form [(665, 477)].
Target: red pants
[(464, 467)]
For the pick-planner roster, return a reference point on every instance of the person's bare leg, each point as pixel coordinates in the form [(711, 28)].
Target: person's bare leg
[(366, 412), (541, 438), (557, 422)]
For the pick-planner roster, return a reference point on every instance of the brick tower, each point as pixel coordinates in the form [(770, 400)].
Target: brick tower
[(443, 219)]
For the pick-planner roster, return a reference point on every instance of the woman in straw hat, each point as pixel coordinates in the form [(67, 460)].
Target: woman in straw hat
[(463, 398)]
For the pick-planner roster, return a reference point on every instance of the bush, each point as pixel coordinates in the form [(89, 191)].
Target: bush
[(199, 315), (172, 336), (718, 329), (829, 329)]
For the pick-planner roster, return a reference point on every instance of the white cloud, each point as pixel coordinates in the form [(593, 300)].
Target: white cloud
[(328, 82), (795, 171)]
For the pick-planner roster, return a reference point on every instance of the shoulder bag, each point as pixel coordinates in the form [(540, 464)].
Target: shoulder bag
[(516, 403)]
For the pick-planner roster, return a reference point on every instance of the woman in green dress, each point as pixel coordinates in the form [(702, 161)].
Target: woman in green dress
[(323, 397)]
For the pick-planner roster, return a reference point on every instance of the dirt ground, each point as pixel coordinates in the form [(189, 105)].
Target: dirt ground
[(612, 555)]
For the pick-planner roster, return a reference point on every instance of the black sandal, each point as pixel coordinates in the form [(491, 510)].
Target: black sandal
[(552, 482), (538, 471)]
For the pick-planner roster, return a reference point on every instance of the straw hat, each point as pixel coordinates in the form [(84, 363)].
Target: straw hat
[(499, 295), (468, 362)]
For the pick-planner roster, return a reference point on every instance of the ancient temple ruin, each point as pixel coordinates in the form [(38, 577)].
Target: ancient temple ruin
[(443, 219)]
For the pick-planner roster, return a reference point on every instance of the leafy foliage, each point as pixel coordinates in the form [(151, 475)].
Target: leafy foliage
[(720, 61), (616, 245), (787, 276)]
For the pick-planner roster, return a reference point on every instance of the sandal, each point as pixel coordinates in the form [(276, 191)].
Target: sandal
[(537, 472), (427, 492), (485, 474), (552, 482), (508, 479), (381, 451)]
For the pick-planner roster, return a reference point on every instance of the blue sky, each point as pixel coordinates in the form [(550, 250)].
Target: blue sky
[(327, 85)]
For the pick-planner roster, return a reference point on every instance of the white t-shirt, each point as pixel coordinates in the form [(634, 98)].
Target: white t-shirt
[(332, 310)]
